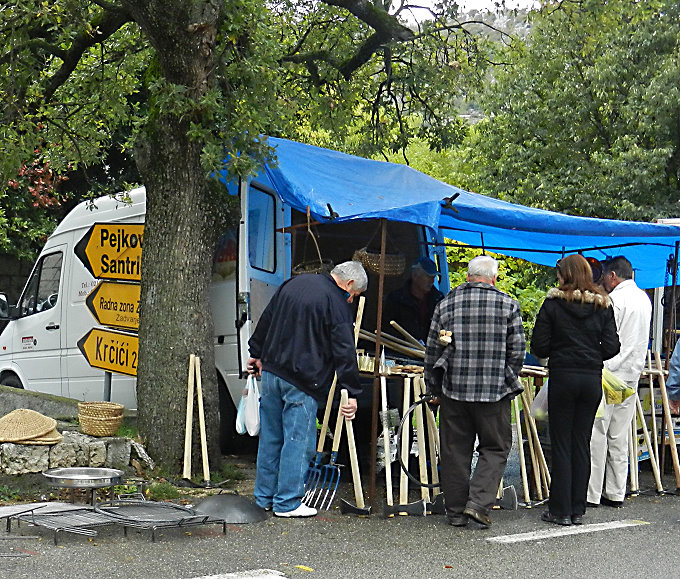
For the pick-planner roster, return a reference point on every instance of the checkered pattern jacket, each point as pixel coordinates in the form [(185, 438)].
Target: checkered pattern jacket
[(488, 346)]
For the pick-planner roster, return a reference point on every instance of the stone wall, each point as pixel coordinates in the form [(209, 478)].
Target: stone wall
[(75, 450)]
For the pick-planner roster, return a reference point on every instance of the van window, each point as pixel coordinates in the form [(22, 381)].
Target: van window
[(261, 230), (42, 290)]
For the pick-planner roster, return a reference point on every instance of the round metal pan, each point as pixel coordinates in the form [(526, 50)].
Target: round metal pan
[(83, 477)]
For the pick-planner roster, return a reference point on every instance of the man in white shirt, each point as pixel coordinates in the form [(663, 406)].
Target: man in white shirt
[(609, 440)]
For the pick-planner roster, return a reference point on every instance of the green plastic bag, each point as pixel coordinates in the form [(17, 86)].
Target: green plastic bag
[(615, 390)]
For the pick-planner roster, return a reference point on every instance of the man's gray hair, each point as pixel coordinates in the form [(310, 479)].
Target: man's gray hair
[(352, 270), (483, 266)]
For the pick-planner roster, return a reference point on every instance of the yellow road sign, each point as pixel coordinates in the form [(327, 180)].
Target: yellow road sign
[(110, 350), (115, 304), (113, 250)]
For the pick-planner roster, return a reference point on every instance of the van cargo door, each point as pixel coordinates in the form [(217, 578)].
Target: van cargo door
[(261, 258)]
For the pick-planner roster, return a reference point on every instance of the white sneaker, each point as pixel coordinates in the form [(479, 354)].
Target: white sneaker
[(301, 512)]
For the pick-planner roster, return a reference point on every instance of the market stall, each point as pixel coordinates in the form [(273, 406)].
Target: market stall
[(333, 188)]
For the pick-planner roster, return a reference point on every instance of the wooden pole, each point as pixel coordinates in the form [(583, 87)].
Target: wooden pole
[(652, 404), (545, 472), (376, 367), (535, 467), (422, 450), (668, 421), (520, 446), (433, 434), (386, 442), (201, 422), (633, 466), (405, 443), (648, 442), (188, 426), (670, 343), (406, 334), (412, 352)]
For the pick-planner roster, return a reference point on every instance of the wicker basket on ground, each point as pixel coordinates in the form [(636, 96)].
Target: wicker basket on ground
[(100, 418)]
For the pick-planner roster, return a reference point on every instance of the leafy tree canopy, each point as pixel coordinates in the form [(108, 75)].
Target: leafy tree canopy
[(585, 121), (183, 85)]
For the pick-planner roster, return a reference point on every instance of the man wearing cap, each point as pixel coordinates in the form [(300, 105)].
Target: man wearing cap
[(412, 305)]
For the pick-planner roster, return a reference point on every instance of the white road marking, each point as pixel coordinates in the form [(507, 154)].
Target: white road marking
[(254, 574), (563, 531)]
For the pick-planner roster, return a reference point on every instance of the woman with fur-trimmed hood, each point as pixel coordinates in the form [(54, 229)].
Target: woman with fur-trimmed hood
[(575, 329)]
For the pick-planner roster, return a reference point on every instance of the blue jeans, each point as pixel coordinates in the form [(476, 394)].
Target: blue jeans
[(287, 443)]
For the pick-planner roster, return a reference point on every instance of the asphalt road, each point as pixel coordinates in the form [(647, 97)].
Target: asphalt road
[(335, 545)]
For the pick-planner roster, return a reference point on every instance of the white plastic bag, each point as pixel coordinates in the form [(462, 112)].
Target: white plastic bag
[(241, 413), (252, 407), (539, 407)]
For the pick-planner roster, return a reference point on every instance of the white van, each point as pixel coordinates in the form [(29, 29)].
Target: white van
[(38, 343)]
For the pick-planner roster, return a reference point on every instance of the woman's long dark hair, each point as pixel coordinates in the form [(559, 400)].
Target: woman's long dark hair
[(577, 276)]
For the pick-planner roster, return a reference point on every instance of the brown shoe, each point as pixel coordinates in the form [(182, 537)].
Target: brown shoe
[(478, 516)]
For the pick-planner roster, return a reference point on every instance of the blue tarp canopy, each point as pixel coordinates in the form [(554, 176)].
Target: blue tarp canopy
[(357, 189)]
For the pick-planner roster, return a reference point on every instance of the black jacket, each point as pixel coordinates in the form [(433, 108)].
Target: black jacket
[(576, 336), (306, 334), (402, 307)]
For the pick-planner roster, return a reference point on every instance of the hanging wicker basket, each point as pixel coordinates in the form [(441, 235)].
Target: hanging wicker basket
[(395, 263), (313, 266)]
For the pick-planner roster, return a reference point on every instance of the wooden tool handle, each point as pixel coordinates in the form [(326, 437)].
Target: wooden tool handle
[(189, 418), (359, 318), (406, 334), (405, 440), (326, 415), (386, 442), (420, 435), (520, 444), (668, 420), (353, 459), (337, 433), (648, 442), (201, 421), (433, 434)]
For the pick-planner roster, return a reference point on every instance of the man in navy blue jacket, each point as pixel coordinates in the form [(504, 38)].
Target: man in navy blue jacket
[(305, 335)]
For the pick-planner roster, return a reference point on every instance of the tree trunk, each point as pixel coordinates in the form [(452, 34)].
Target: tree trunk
[(176, 320), (179, 238)]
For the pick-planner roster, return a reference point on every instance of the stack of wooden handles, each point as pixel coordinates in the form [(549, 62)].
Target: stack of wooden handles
[(195, 378)]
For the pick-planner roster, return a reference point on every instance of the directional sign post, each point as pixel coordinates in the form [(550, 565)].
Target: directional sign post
[(113, 250), (110, 350), (115, 305)]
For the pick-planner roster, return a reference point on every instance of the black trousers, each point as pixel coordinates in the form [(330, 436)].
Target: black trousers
[(573, 398), (459, 424)]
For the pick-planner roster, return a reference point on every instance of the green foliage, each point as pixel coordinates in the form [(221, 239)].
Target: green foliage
[(127, 431), (230, 471), (585, 120), (162, 491), (9, 494), (524, 281), (335, 93)]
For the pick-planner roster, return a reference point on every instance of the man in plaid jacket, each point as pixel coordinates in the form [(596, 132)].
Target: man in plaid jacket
[(475, 377)]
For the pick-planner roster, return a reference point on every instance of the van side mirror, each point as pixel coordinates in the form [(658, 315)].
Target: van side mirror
[(4, 307)]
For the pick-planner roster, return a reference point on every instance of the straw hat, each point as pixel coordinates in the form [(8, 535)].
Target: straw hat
[(24, 424), (52, 437)]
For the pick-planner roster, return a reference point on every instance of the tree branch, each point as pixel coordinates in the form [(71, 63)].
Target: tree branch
[(376, 17), (102, 28)]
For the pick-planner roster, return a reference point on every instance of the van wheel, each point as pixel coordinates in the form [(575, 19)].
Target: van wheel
[(11, 380), (230, 441)]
